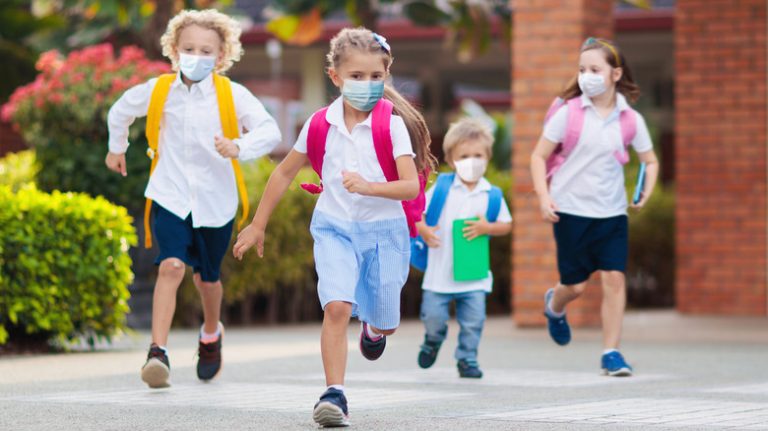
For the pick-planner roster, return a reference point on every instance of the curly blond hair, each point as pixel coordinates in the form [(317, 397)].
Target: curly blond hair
[(227, 28)]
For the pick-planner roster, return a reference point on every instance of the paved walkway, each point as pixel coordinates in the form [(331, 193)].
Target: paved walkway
[(692, 373)]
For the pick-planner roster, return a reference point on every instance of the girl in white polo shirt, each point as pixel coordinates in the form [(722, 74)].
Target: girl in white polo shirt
[(359, 225), (581, 189)]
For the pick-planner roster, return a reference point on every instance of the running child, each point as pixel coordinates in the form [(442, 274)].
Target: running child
[(371, 150), (198, 125), (463, 194), (577, 169)]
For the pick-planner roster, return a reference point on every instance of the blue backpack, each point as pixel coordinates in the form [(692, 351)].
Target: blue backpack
[(419, 249)]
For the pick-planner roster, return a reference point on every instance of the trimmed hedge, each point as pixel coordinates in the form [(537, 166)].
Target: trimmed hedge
[(64, 265), (18, 169)]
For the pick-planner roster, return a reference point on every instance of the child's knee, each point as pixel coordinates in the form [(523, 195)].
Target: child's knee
[(204, 285), (338, 311), (614, 282), (172, 268), (386, 331), (576, 289)]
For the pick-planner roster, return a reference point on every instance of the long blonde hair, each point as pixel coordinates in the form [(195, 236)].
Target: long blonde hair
[(364, 40)]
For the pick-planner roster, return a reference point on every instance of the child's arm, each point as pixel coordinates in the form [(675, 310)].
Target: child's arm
[(278, 183), (132, 104), (541, 153), (427, 233), (406, 188), (651, 176), (476, 228)]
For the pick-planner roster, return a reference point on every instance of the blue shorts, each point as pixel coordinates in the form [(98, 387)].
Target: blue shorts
[(586, 245), (202, 248), (363, 263)]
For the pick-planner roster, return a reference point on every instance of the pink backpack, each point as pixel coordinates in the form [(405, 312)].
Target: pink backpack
[(382, 143), (573, 126)]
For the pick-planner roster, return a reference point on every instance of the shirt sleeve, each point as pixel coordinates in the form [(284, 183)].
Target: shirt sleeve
[(262, 133), (554, 129), (132, 104), (504, 215), (301, 142), (401, 140), (642, 141)]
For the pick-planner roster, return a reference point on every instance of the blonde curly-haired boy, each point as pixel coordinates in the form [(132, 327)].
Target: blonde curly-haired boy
[(192, 185)]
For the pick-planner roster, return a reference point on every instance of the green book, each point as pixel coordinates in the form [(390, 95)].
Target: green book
[(471, 259)]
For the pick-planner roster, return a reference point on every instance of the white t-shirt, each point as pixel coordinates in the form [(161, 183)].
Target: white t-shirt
[(460, 203), (354, 152), (590, 183)]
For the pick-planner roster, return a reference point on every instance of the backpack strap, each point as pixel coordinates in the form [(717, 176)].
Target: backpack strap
[(229, 127), (628, 125), (573, 126), (152, 131), (317, 135), (439, 196), (382, 138), (495, 195), (553, 108)]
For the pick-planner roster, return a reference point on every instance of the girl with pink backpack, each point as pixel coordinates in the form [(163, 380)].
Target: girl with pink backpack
[(370, 148), (577, 169)]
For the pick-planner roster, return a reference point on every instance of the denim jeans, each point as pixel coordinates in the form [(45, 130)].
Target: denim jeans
[(470, 313)]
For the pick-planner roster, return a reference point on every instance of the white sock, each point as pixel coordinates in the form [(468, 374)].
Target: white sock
[(370, 333), (163, 349), (206, 336), (551, 311), (607, 351), (337, 387)]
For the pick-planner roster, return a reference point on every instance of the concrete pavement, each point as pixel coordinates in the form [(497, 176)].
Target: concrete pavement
[(691, 373)]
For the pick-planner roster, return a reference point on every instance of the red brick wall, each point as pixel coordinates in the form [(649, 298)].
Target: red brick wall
[(721, 157), (546, 41)]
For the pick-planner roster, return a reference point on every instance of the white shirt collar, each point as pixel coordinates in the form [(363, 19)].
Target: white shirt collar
[(482, 185), (205, 86), (335, 115), (621, 102)]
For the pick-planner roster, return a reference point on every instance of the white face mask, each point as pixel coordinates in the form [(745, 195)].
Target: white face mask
[(196, 67), (471, 169), (592, 84)]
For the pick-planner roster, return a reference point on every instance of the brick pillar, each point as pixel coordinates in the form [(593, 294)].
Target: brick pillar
[(721, 157), (546, 42)]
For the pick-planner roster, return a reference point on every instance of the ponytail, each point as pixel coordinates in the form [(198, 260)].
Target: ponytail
[(417, 129)]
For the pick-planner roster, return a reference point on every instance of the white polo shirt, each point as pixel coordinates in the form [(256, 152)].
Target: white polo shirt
[(191, 176), (460, 203), (590, 183), (354, 152)]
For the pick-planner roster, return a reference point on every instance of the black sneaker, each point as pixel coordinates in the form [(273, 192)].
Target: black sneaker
[(157, 370), (469, 369), (428, 353), (331, 410), (209, 357), (372, 350)]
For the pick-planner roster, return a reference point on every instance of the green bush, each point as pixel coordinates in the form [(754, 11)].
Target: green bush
[(18, 169), (64, 264)]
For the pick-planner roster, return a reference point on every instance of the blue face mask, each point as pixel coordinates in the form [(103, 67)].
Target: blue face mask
[(196, 67), (362, 95)]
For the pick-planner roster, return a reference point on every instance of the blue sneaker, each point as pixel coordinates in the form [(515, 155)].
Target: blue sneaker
[(613, 364), (558, 326), (331, 410), (469, 369)]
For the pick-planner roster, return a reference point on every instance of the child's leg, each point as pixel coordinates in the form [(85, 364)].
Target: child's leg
[(435, 314), (170, 276), (564, 295), (614, 303), (211, 294), (470, 313), (333, 341)]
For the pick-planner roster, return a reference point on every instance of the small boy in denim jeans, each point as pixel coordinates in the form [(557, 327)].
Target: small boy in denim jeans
[(467, 147)]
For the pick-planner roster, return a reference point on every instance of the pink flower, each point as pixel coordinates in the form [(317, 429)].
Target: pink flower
[(49, 62), (7, 111)]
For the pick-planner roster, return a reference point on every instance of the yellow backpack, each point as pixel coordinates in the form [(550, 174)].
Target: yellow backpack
[(228, 126)]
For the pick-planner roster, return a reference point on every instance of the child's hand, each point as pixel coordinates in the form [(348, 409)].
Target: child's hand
[(548, 209), (116, 162), (354, 183), (640, 204), (246, 239), (429, 235), (476, 228), (226, 147)]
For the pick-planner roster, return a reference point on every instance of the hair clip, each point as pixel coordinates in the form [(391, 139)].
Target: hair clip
[(592, 41), (383, 42)]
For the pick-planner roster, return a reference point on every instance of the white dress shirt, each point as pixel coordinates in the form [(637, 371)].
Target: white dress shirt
[(354, 152), (590, 183), (461, 203), (191, 176)]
